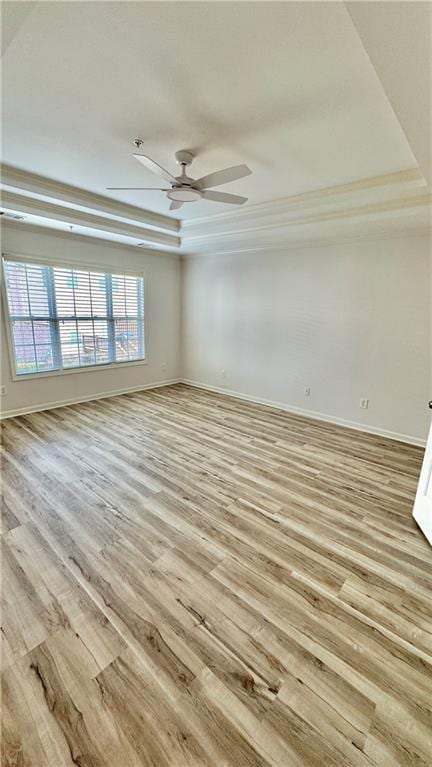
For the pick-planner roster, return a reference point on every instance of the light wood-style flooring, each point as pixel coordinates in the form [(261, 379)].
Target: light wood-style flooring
[(191, 580)]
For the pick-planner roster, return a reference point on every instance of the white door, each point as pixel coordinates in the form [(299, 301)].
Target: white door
[(422, 512)]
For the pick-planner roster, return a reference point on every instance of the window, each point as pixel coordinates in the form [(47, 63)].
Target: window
[(63, 318)]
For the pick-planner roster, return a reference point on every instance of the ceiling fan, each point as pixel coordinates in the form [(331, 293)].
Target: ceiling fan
[(185, 189)]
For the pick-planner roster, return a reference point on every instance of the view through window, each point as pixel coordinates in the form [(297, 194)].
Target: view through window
[(62, 318)]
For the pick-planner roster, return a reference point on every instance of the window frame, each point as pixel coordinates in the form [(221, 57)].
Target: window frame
[(68, 264)]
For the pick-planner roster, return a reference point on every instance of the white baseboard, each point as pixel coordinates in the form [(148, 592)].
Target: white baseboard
[(77, 400), (229, 393), (309, 413)]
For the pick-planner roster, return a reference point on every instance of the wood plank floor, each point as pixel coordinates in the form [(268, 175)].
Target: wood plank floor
[(188, 579)]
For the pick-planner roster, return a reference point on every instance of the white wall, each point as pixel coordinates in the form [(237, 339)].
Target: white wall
[(162, 311), (349, 320)]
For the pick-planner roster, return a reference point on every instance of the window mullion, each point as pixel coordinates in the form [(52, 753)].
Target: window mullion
[(92, 318), (110, 316), (54, 322), (76, 317), (140, 317)]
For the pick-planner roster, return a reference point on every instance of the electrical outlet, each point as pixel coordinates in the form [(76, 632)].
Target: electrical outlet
[(307, 391), (223, 373), (3, 390), (364, 404)]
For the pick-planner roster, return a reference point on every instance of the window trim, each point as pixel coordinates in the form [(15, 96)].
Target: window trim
[(70, 264)]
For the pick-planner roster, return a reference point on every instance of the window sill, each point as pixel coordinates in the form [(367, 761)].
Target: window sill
[(77, 371)]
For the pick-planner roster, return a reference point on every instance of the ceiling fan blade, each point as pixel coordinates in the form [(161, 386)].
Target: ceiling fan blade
[(222, 177), (234, 199), (175, 205), (154, 167), (141, 188)]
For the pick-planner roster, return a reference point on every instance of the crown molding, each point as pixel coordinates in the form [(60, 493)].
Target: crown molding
[(43, 208), (33, 184), (283, 245), (420, 201), (227, 250), (85, 239), (390, 203), (377, 188), (394, 216)]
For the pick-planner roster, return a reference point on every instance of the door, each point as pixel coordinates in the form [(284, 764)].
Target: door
[(422, 511)]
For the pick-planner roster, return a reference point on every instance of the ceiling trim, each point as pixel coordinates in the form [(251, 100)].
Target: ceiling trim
[(85, 239), (324, 241), (384, 185), (372, 211), (33, 184), (400, 199), (48, 210)]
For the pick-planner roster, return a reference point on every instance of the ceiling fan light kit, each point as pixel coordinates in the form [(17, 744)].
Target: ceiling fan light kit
[(183, 194), (185, 189)]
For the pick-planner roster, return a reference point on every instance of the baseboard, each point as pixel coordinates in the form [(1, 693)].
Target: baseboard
[(317, 416), (76, 401), (229, 393)]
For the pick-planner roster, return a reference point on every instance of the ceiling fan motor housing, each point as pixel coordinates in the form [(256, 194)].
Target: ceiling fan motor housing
[(184, 191)]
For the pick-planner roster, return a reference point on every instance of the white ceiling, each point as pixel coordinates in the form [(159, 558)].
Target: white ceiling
[(285, 87), (398, 39)]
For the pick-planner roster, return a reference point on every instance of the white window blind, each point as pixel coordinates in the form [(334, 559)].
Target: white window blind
[(62, 318)]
